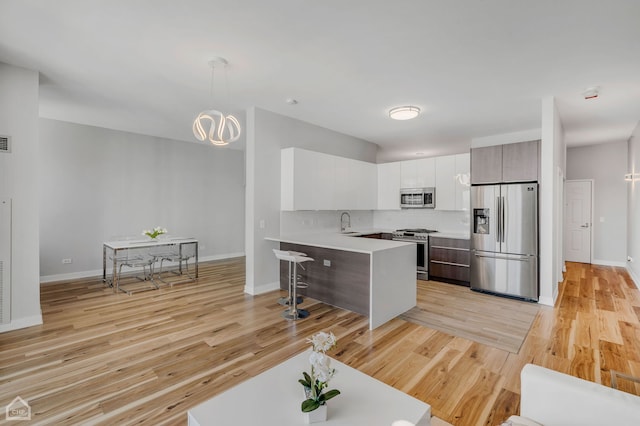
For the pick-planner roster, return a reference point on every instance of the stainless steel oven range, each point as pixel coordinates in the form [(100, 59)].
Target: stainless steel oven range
[(421, 238)]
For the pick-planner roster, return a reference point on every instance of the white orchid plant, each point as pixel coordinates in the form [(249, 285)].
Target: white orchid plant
[(321, 372), (154, 232)]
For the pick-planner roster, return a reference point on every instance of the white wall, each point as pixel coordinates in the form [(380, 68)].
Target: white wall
[(267, 134), (97, 184), (18, 181), (606, 165), (552, 169), (633, 205), (506, 138)]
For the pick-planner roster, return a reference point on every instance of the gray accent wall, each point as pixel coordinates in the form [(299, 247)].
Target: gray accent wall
[(100, 184), (605, 164)]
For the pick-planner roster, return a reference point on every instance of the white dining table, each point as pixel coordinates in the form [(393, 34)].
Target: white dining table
[(120, 245)]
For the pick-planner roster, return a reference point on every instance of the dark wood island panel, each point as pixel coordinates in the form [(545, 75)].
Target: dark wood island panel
[(345, 283)]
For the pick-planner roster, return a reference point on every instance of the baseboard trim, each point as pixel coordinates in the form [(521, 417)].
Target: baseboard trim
[(545, 300), (48, 279), (634, 277), (264, 288), (21, 323), (608, 263)]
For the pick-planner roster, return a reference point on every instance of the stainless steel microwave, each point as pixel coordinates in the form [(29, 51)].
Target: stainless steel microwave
[(418, 198)]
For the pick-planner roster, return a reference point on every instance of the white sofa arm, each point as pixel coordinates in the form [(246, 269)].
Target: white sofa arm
[(556, 399)]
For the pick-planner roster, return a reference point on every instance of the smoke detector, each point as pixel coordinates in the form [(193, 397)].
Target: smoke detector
[(591, 92)]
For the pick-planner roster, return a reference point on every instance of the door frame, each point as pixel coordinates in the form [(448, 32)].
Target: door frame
[(564, 216)]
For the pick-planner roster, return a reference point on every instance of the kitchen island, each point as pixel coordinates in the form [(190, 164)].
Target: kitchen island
[(373, 277)]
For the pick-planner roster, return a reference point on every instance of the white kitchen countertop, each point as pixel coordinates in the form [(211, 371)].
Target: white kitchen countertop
[(340, 241)]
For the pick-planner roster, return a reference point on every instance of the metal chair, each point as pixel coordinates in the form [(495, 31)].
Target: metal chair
[(181, 255), (135, 261)]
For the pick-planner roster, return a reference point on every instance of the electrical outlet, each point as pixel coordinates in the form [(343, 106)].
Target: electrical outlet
[(327, 262), (629, 259), (67, 261)]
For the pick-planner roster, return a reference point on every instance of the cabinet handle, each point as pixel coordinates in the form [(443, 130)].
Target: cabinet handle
[(449, 263), (451, 248)]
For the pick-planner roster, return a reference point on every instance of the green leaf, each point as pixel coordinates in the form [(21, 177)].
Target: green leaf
[(309, 405), (330, 394), (304, 383)]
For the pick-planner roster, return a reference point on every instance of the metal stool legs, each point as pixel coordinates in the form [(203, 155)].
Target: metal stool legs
[(286, 301), (293, 313)]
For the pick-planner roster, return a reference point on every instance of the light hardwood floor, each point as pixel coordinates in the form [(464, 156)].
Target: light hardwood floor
[(112, 359)]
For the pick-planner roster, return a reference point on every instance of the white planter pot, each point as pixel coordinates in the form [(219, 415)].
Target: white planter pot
[(316, 416)]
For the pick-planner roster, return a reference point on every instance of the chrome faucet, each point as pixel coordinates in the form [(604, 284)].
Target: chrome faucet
[(342, 224)]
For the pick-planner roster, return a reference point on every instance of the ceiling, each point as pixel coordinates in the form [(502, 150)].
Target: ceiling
[(475, 68)]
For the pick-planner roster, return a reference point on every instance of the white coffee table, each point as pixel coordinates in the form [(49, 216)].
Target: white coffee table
[(274, 398)]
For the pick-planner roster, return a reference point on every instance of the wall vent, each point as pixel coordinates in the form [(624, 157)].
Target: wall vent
[(5, 260), (5, 143)]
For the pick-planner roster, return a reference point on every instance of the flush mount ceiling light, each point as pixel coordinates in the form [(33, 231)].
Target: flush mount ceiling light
[(222, 128), (404, 112)]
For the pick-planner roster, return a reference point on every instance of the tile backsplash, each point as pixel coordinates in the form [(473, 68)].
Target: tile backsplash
[(298, 222), (443, 221)]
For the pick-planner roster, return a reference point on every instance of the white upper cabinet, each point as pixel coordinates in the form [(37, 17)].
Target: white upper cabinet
[(389, 186), (452, 182), (363, 183), (342, 193), (418, 173), (445, 182), (463, 181), (315, 181), (306, 180)]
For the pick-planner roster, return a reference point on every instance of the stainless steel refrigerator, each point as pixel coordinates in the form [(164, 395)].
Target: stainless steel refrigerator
[(504, 239)]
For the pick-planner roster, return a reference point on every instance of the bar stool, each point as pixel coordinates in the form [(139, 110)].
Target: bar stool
[(296, 259), (286, 301)]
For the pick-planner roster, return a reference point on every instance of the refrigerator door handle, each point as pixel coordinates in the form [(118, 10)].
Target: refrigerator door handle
[(493, 256), (503, 213), (498, 226)]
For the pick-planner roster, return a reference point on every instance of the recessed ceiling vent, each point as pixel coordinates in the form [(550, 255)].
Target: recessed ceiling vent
[(5, 144)]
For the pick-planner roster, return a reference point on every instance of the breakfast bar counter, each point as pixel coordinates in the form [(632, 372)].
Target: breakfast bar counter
[(372, 277)]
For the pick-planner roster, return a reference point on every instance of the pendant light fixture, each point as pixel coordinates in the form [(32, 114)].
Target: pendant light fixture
[(212, 125)]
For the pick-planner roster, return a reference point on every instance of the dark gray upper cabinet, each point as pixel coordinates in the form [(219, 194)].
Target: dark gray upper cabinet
[(520, 162), (516, 162), (486, 164)]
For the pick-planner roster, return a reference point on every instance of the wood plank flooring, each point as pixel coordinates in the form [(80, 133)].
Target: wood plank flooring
[(105, 358), (498, 322)]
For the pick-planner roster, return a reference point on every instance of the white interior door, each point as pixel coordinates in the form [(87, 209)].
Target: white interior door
[(578, 223)]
